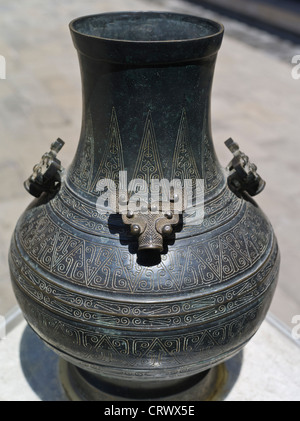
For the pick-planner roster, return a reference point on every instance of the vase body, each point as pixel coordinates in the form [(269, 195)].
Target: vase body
[(79, 278)]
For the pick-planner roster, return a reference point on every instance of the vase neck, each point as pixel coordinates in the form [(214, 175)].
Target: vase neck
[(153, 122)]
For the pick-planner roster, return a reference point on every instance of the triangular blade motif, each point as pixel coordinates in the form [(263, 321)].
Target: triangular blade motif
[(205, 265), (154, 351), (72, 264), (148, 165), (184, 164), (81, 175), (173, 266), (210, 169), (112, 161)]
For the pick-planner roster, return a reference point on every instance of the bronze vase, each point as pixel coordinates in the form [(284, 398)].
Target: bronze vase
[(143, 303)]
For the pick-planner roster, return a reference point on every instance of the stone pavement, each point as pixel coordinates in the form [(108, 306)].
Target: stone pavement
[(255, 100)]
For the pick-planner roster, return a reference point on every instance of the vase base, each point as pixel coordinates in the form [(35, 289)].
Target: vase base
[(81, 385)]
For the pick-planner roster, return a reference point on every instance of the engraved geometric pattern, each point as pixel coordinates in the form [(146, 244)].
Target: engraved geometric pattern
[(109, 313), (210, 172), (133, 350), (184, 164), (84, 216), (81, 174), (109, 266), (148, 165), (112, 160)]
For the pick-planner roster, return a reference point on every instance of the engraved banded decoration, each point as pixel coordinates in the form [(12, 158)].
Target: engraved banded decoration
[(109, 266), (133, 350), (98, 311), (84, 216), (148, 165)]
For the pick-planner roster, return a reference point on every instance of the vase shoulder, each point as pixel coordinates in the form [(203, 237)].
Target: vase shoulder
[(74, 249)]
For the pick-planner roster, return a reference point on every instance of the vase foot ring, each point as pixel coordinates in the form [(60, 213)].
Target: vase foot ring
[(81, 385)]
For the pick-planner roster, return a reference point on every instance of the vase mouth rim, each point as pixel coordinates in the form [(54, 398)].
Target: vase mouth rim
[(145, 27), (147, 38)]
